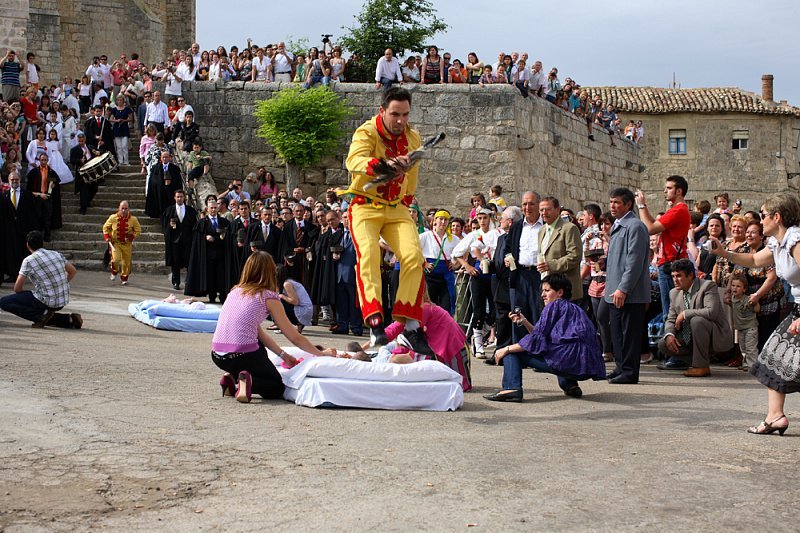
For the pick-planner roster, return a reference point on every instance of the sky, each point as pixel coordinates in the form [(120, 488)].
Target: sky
[(704, 43)]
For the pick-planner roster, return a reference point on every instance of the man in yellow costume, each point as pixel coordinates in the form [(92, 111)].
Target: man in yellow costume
[(119, 231), (383, 183)]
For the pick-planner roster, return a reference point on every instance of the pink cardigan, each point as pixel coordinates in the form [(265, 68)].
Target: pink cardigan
[(443, 333)]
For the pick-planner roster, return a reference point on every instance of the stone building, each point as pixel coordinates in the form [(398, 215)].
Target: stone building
[(494, 136), (66, 34), (720, 139)]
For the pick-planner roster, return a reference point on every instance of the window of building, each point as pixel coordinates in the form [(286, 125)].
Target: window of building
[(677, 141), (740, 139)]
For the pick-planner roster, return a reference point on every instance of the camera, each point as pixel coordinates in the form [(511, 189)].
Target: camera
[(326, 37), (517, 311), (738, 203)]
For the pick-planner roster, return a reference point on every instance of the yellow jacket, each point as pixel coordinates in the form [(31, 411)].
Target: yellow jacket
[(371, 143), (121, 230)]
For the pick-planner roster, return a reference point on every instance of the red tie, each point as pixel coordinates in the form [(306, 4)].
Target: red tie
[(98, 121)]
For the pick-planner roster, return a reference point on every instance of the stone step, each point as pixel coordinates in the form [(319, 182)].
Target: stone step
[(152, 266), (76, 233), (98, 217), (99, 243)]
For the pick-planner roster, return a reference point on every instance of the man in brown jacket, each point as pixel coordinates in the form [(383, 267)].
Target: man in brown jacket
[(696, 324), (560, 248)]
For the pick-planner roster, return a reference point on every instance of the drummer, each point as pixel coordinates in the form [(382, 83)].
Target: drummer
[(78, 157)]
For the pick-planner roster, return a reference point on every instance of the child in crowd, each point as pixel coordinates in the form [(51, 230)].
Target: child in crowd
[(496, 196), (487, 77), (745, 319), (502, 75), (199, 162)]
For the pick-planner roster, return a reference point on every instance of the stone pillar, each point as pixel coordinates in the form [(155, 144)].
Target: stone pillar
[(766, 87)]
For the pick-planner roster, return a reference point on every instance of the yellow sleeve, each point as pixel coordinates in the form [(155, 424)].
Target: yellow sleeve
[(108, 227), (365, 152), (412, 176)]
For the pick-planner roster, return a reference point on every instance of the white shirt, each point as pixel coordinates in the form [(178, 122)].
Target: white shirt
[(281, 64), (265, 231), (71, 102), (33, 74), (529, 243), (180, 114), (430, 245), (98, 95), (173, 86), (108, 79), (157, 113), (538, 80), (485, 242), (388, 69), (181, 211), (95, 73), (260, 67)]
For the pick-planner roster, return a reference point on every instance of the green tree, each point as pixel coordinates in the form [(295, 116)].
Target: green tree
[(402, 25), (297, 46), (303, 126)]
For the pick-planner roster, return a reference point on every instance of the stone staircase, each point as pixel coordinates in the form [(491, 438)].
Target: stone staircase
[(81, 237)]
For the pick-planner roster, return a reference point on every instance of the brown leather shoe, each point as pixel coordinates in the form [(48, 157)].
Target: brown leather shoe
[(698, 372)]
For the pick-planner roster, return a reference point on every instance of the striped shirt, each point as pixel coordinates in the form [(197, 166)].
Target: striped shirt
[(157, 112), (11, 73), (237, 327), (46, 270)]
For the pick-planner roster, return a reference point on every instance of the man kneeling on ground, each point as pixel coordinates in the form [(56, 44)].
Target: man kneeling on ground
[(50, 275), (696, 323)]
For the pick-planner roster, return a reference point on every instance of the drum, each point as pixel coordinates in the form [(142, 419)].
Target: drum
[(98, 168)]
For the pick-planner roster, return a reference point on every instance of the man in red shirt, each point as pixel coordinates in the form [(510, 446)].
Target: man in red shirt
[(673, 227)]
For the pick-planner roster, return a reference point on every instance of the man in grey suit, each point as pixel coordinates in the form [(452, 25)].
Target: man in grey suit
[(560, 249), (627, 286), (696, 323)]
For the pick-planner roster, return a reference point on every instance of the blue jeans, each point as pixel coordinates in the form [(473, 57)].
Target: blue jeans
[(513, 364), (313, 80), (665, 284), (25, 305), (388, 82), (526, 295)]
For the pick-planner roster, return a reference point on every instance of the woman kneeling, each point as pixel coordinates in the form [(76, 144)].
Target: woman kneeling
[(239, 340), (563, 342)]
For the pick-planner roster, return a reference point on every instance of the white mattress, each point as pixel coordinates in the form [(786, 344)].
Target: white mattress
[(335, 382)]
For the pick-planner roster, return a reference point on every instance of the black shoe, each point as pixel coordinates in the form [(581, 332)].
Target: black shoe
[(176, 286), (614, 374), (512, 396), (414, 339), (377, 337), (673, 363), (623, 380), (339, 331), (574, 391), (212, 299), (490, 361), (357, 333), (591, 137), (82, 211)]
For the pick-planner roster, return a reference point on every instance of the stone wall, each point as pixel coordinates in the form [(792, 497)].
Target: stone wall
[(66, 34), (494, 136), (768, 165)]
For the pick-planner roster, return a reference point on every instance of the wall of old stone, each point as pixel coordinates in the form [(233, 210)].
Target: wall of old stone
[(494, 136), (66, 34), (770, 164)]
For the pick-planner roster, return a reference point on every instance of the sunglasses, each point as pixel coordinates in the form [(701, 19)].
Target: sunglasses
[(765, 214)]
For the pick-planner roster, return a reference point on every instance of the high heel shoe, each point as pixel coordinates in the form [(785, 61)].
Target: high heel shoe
[(243, 392), (227, 384), (768, 428)]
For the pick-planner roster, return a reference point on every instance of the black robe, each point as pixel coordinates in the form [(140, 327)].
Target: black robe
[(323, 277), (291, 238), (159, 194), (237, 255), (273, 242), (96, 133), (178, 241), (203, 252), (34, 184), (7, 251), (21, 221)]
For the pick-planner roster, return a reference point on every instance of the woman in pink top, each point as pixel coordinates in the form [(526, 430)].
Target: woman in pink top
[(239, 340), (445, 338), (148, 140)]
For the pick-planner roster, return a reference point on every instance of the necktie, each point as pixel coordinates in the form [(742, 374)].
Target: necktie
[(265, 231), (346, 240), (165, 168), (214, 223), (14, 197), (685, 333), (180, 213), (245, 223), (546, 239)]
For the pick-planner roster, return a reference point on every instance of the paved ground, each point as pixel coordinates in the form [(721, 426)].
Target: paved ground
[(119, 426)]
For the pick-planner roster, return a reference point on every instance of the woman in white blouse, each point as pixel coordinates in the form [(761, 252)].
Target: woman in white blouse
[(261, 67)]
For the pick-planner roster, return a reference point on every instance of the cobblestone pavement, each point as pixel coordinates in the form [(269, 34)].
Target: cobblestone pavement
[(120, 426)]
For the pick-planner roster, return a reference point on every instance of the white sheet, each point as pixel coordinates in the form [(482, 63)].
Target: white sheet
[(425, 385)]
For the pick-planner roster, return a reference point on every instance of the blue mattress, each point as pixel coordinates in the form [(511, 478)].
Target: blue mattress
[(175, 317)]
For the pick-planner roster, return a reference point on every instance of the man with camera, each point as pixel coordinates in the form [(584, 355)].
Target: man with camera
[(672, 228), (10, 69), (283, 64), (235, 191)]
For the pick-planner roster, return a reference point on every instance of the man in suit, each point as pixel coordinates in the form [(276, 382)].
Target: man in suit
[(238, 243), (79, 155), (24, 218), (522, 243), (98, 131), (177, 223), (560, 249), (266, 234), (346, 306), (165, 179), (627, 286), (296, 239), (206, 271), (44, 183), (696, 324)]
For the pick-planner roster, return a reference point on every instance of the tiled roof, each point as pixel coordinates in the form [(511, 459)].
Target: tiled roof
[(657, 100)]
